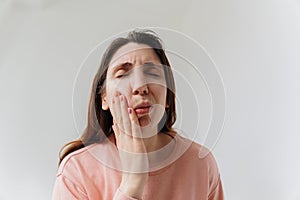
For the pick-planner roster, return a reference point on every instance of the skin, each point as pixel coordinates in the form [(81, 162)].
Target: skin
[(135, 75)]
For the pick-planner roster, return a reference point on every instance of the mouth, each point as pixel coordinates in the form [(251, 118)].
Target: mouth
[(143, 108)]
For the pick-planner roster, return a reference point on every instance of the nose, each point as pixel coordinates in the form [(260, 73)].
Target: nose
[(139, 83), (143, 90)]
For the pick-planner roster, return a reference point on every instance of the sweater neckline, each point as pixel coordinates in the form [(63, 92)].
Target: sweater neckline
[(160, 160)]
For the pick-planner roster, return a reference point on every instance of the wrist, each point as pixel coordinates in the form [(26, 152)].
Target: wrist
[(133, 184)]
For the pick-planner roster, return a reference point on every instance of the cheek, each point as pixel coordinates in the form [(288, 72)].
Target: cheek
[(112, 88), (110, 91), (160, 93)]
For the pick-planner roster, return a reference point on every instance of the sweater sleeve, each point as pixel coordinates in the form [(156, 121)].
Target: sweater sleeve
[(65, 189), (217, 193), (215, 188)]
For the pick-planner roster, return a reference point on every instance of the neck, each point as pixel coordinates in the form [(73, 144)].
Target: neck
[(153, 143)]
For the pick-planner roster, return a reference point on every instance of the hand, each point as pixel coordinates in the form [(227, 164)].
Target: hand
[(132, 150)]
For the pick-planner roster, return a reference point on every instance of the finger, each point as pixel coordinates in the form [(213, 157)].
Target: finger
[(112, 110), (117, 134), (116, 130), (135, 125), (118, 113), (125, 116)]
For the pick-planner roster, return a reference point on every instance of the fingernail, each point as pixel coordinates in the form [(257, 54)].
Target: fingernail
[(129, 110)]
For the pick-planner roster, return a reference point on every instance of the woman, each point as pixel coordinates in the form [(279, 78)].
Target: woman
[(129, 149)]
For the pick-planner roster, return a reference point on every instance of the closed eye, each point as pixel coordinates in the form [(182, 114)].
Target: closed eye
[(120, 76), (121, 73), (153, 74), (153, 69), (121, 70)]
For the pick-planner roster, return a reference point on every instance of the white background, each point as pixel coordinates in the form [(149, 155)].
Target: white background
[(255, 44)]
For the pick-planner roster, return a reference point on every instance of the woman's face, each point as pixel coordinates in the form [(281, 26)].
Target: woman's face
[(136, 72)]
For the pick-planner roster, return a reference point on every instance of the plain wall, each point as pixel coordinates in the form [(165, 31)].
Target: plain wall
[(255, 45)]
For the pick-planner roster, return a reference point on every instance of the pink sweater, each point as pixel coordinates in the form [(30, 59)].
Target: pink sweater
[(91, 173)]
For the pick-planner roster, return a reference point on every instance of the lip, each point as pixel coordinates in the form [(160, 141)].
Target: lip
[(144, 104), (143, 108)]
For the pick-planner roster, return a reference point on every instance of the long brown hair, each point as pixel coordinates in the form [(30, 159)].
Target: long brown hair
[(99, 122)]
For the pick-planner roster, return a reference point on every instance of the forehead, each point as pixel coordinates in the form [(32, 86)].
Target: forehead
[(134, 53)]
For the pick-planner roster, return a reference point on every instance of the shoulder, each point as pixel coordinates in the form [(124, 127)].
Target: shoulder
[(199, 161), (198, 156), (74, 160), (195, 149)]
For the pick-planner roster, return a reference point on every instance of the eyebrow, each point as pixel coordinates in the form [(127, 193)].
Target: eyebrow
[(127, 65)]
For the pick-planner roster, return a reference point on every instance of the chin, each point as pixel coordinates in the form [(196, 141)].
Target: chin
[(144, 120)]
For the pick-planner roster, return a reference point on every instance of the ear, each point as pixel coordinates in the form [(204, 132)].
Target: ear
[(104, 103)]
